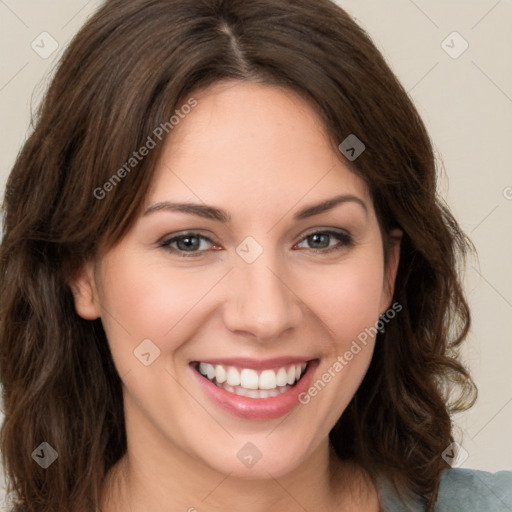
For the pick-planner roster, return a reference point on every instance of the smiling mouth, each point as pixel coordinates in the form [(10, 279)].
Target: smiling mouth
[(252, 383)]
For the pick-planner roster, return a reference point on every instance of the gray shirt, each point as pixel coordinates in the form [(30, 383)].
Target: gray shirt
[(460, 490)]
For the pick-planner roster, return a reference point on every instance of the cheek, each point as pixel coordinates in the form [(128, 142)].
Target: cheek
[(347, 297), (148, 301)]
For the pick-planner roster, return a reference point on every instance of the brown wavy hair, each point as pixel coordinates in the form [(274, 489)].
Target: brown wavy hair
[(126, 72)]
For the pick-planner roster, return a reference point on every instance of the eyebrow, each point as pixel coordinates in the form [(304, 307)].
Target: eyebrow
[(213, 213)]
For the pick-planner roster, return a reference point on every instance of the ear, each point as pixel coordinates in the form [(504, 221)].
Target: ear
[(83, 287), (395, 238)]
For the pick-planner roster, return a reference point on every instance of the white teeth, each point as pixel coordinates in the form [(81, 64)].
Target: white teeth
[(202, 368), (233, 377), (248, 379), (282, 377), (240, 391), (291, 375), (268, 379), (254, 393), (220, 374), (208, 370)]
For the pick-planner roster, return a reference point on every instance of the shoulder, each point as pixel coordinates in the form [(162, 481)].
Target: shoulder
[(474, 491), (460, 489)]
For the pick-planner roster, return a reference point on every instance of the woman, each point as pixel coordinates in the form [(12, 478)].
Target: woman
[(227, 281)]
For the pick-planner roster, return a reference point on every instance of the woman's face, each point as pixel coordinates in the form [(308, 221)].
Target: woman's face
[(254, 283)]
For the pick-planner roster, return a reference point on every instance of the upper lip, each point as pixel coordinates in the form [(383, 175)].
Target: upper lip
[(255, 364)]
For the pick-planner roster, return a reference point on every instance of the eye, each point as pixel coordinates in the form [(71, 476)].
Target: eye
[(191, 243), (194, 244), (321, 241)]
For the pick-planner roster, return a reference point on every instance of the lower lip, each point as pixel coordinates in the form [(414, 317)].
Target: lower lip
[(257, 408)]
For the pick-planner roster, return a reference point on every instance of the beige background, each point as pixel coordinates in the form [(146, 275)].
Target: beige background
[(466, 103)]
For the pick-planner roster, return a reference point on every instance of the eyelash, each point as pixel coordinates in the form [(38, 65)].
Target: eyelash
[(344, 238)]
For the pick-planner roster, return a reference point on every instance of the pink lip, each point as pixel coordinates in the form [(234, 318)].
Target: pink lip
[(257, 408)]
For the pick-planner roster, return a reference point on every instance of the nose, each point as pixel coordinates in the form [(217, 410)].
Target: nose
[(261, 303)]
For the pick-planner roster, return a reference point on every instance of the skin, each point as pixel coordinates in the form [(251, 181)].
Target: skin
[(260, 153)]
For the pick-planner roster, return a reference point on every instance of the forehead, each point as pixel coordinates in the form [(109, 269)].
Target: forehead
[(246, 143)]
